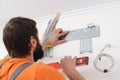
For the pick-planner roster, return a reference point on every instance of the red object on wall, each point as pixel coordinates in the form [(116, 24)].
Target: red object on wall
[(79, 61)]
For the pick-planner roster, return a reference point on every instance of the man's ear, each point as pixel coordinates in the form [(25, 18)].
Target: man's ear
[(33, 42)]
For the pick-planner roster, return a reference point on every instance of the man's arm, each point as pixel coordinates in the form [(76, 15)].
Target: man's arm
[(53, 40), (68, 65)]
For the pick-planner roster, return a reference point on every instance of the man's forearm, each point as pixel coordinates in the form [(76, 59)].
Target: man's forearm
[(76, 76)]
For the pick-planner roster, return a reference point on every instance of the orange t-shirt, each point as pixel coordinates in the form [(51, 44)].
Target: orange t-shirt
[(36, 71)]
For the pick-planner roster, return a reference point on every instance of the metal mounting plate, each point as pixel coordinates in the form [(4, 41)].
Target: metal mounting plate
[(85, 36), (82, 33)]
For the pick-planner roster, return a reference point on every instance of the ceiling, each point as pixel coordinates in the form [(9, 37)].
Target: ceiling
[(39, 8)]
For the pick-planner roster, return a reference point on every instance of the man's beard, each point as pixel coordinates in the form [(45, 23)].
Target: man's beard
[(38, 53)]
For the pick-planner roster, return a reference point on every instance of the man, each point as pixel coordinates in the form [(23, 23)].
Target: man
[(20, 37)]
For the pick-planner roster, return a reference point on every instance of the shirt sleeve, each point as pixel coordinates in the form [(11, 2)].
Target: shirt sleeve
[(2, 61)]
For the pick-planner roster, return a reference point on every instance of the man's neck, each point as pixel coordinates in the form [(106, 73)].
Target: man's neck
[(30, 57)]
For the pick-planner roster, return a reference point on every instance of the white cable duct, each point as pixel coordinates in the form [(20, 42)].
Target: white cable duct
[(51, 26)]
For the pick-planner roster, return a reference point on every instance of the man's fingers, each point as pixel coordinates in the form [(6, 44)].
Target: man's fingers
[(61, 41), (63, 33), (58, 30)]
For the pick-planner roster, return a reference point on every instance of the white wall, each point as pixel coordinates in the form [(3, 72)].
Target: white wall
[(3, 50), (107, 17), (38, 8)]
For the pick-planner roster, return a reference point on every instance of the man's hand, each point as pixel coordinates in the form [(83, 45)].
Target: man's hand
[(68, 65), (54, 38)]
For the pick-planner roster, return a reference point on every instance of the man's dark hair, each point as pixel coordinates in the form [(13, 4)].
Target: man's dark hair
[(17, 34)]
